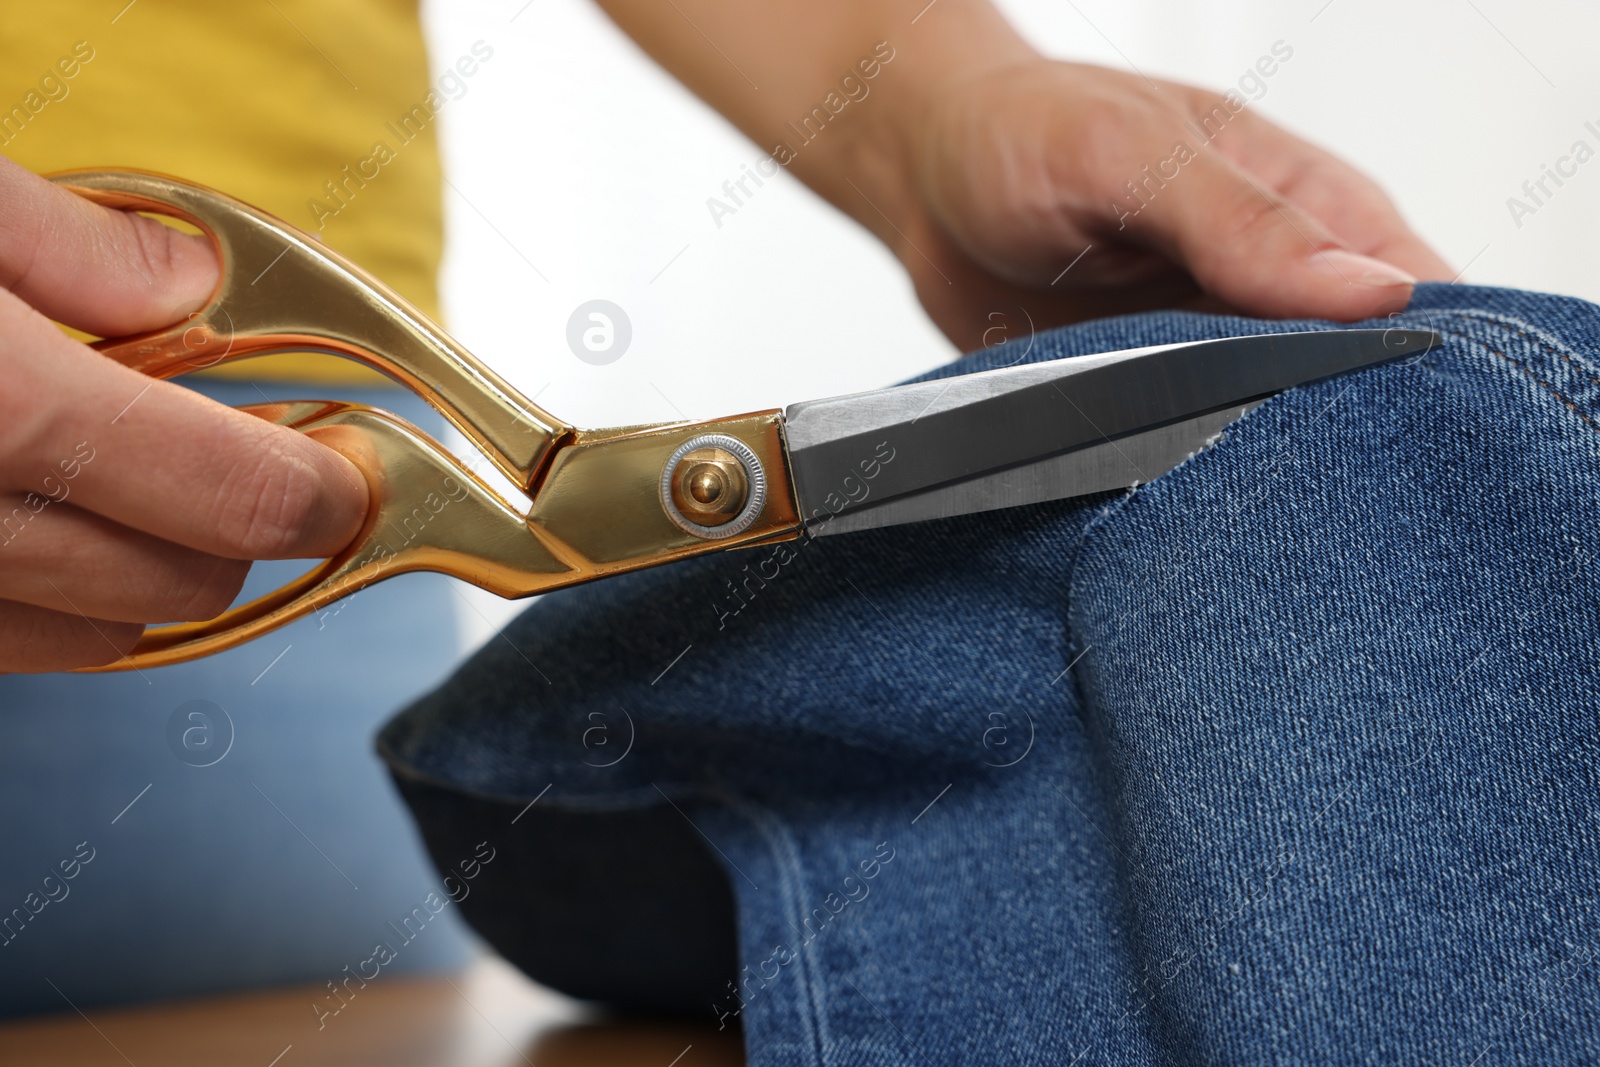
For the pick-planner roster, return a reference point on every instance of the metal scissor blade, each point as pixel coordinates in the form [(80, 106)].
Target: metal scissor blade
[(1117, 464), (861, 452)]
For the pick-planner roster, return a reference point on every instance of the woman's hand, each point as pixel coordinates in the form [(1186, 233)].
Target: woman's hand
[(988, 169), (125, 500), (1152, 193)]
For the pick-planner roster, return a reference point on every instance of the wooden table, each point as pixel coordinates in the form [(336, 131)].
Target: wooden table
[(485, 1016)]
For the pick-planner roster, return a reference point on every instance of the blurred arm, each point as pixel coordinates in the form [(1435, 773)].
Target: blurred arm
[(770, 67)]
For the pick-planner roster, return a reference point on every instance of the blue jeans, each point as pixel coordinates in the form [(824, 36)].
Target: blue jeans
[(1290, 755), (239, 830)]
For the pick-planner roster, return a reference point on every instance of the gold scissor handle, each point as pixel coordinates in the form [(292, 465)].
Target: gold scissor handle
[(427, 513), (283, 290), (597, 502)]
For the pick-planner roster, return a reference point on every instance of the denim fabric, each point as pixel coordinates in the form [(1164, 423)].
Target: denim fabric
[(1287, 756), (244, 872)]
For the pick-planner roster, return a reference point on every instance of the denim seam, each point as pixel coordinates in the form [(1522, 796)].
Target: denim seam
[(578, 796), (1572, 358), (1514, 326), (1567, 402), (595, 802), (791, 876), (1552, 390), (1580, 368)]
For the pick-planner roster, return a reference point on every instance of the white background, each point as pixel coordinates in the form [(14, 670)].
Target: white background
[(579, 170)]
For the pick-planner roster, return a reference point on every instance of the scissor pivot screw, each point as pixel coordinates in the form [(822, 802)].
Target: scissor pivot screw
[(713, 486), (710, 487)]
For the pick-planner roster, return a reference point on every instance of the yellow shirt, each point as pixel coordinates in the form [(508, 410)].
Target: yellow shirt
[(268, 100)]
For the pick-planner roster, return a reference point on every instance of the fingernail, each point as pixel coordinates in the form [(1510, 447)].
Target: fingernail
[(1358, 269)]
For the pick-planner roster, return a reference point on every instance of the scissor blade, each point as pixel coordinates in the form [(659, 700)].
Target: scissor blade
[(983, 441), (1116, 464)]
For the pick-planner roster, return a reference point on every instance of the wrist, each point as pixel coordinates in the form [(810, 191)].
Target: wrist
[(870, 170)]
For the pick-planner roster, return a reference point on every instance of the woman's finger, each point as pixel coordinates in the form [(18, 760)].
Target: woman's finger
[(1353, 207), (161, 458), (1261, 253), (38, 640), (58, 556), (1361, 215), (103, 271)]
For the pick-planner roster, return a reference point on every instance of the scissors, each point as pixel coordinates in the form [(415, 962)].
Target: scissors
[(607, 501)]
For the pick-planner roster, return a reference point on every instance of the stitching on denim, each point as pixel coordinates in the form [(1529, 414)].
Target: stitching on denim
[(1509, 327), (1580, 368), (1552, 390), (1514, 326), (785, 859)]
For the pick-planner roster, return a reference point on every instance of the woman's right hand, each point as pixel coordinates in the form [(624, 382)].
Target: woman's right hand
[(125, 500)]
